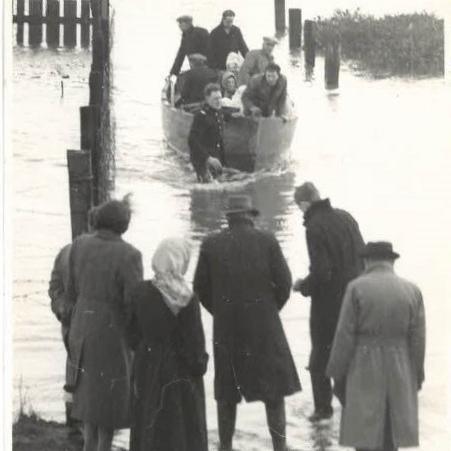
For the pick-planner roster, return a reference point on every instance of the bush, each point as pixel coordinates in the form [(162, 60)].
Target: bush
[(402, 45)]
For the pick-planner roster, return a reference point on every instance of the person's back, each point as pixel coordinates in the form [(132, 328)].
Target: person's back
[(194, 84)]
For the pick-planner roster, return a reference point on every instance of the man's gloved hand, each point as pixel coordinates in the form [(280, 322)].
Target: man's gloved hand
[(214, 166)]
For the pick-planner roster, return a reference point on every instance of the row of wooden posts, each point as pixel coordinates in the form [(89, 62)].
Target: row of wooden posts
[(51, 18), (331, 50), (87, 166)]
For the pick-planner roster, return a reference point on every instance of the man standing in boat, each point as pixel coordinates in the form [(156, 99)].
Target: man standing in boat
[(266, 94), (194, 40), (225, 38), (256, 61)]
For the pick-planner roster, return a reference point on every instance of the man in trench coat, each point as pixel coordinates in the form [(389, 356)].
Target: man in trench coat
[(378, 356), (243, 280), (334, 243)]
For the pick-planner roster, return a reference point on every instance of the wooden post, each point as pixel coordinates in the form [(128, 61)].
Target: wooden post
[(35, 28), (85, 27), (80, 190), (20, 14), (53, 26), (279, 7), (295, 27), (309, 43), (332, 64), (95, 87), (447, 53), (70, 24)]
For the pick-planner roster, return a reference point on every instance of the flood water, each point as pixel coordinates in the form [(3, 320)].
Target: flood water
[(380, 149)]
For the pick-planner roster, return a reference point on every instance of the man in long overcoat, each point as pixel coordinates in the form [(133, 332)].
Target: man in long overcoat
[(378, 356), (243, 280), (225, 38), (334, 242), (194, 40), (103, 272)]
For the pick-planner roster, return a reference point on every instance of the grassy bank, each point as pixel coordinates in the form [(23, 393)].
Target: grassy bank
[(401, 45), (31, 433)]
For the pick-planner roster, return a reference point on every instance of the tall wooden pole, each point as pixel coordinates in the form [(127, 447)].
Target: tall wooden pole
[(295, 28), (279, 10)]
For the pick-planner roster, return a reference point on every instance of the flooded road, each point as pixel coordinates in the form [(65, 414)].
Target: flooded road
[(380, 149)]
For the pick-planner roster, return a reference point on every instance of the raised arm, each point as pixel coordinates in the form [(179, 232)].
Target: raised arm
[(242, 46), (178, 62)]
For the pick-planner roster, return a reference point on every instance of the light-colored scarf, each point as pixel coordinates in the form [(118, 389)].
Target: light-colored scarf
[(170, 263)]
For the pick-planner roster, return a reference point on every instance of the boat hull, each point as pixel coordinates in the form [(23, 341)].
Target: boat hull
[(250, 145)]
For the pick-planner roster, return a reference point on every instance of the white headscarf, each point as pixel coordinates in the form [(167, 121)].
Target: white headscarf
[(170, 263)]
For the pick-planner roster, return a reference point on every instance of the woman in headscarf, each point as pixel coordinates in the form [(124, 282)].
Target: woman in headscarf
[(166, 331), (103, 271), (231, 93)]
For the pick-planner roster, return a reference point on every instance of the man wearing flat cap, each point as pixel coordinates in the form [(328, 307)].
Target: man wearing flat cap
[(194, 40), (377, 358), (243, 280), (225, 38), (191, 84), (334, 244), (256, 61)]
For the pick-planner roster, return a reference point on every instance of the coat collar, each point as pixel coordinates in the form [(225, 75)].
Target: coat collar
[(380, 267), (108, 235), (317, 207), (240, 222)]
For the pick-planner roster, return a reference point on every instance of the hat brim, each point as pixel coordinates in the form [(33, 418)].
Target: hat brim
[(252, 211), (388, 255)]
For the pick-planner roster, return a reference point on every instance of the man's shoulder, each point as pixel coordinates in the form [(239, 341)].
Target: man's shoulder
[(201, 30), (253, 53)]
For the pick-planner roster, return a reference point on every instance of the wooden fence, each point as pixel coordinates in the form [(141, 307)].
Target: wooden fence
[(48, 20)]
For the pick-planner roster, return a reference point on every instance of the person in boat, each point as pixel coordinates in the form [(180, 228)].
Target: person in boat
[(266, 94), (243, 280), (194, 40), (231, 93), (334, 244), (193, 82), (165, 330), (256, 61), (206, 136), (225, 38), (377, 356), (103, 272), (234, 63)]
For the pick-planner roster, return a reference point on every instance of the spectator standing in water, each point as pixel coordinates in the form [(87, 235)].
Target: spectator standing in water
[(334, 243), (243, 280), (194, 40), (225, 38), (377, 358)]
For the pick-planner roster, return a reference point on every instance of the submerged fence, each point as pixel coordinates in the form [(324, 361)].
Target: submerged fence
[(53, 22)]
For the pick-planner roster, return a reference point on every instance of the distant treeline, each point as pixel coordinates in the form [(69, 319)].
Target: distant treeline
[(401, 45)]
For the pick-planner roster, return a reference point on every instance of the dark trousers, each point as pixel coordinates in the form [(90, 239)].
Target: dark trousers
[(321, 385)]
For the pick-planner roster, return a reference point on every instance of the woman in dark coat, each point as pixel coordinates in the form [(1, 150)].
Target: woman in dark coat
[(103, 271), (170, 359)]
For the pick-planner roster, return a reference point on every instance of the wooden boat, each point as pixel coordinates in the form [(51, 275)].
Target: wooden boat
[(250, 145)]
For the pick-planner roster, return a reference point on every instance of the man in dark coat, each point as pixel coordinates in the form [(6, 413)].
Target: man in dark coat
[(266, 94), (225, 38), (194, 40), (193, 82), (243, 280), (206, 136), (334, 244)]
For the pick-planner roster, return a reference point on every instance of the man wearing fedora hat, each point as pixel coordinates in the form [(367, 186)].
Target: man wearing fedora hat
[(243, 280), (377, 358), (194, 40), (333, 243)]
